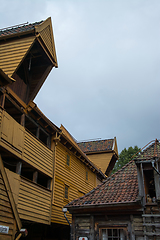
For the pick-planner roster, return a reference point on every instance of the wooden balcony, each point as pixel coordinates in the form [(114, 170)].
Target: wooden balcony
[(18, 141), (33, 201)]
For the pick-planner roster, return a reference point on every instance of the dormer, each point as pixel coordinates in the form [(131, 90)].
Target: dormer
[(148, 168), (27, 54), (103, 153)]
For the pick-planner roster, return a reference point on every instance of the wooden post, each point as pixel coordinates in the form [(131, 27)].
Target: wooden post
[(92, 227), (3, 100), (49, 184), (23, 120), (19, 168), (37, 133), (35, 176)]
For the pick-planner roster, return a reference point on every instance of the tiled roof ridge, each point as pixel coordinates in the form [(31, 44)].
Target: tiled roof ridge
[(107, 139), (144, 152), (19, 28)]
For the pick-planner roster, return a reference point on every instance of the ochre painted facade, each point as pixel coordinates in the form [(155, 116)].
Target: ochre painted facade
[(44, 167)]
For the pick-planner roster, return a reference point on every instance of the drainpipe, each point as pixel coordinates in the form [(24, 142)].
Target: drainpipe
[(64, 210)]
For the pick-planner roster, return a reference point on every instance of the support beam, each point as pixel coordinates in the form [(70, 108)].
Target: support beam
[(35, 176)]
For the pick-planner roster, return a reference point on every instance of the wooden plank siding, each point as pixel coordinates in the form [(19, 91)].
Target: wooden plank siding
[(37, 154), (74, 176), (102, 160), (34, 202), (12, 53), (24, 145), (6, 214)]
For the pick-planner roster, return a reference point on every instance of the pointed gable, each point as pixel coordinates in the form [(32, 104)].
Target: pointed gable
[(27, 53), (103, 153)]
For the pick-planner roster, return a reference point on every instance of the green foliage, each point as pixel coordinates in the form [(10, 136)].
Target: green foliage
[(125, 157)]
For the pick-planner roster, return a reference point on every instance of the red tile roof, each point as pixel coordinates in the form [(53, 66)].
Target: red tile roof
[(96, 146), (121, 187), (18, 29), (149, 152)]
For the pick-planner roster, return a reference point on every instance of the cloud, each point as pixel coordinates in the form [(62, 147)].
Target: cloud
[(107, 83)]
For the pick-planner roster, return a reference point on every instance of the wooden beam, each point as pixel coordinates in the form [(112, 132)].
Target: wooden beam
[(35, 176)]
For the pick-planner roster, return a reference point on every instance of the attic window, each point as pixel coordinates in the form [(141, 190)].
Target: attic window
[(66, 192), (149, 185), (68, 160), (87, 178)]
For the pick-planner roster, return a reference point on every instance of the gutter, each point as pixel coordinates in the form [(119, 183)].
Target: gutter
[(97, 207)]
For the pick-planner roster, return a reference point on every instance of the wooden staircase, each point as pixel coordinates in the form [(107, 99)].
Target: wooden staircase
[(151, 222)]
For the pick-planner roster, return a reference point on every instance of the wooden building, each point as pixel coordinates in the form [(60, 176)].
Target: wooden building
[(44, 166), (103, 153), (125, 206)]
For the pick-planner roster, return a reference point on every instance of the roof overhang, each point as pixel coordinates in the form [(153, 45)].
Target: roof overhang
[(5, 79), (110, 208)]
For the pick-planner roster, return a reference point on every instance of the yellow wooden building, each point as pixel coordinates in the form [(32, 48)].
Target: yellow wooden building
[(44, 165)]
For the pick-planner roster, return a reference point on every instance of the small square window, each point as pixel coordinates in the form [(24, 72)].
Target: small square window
[(66, 190), (68, 160), (86, 175)]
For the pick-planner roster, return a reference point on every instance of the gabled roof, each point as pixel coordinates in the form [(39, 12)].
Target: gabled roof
[(149, 152), (27, 54), (121, 187), (97, 146)]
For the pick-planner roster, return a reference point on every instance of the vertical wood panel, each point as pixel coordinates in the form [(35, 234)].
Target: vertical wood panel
[(12, 131)]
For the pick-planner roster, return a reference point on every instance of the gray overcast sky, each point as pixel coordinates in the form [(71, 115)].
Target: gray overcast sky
[(108, 80)]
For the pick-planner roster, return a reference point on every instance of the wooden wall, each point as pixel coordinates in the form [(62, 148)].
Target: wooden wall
[(37, 154), (6, 214), (74, 176), (12, 53), (33, 202), (24, 145), (102, 160)]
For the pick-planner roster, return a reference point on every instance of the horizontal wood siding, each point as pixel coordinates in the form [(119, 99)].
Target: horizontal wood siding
[(37, 154), (102, 160), (34, 202), (6, 214), (73, 176), (12, 53)]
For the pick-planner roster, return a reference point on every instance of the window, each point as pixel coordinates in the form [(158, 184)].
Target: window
[(112, 234), (87, 176), (66, 191), (68, 160)]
